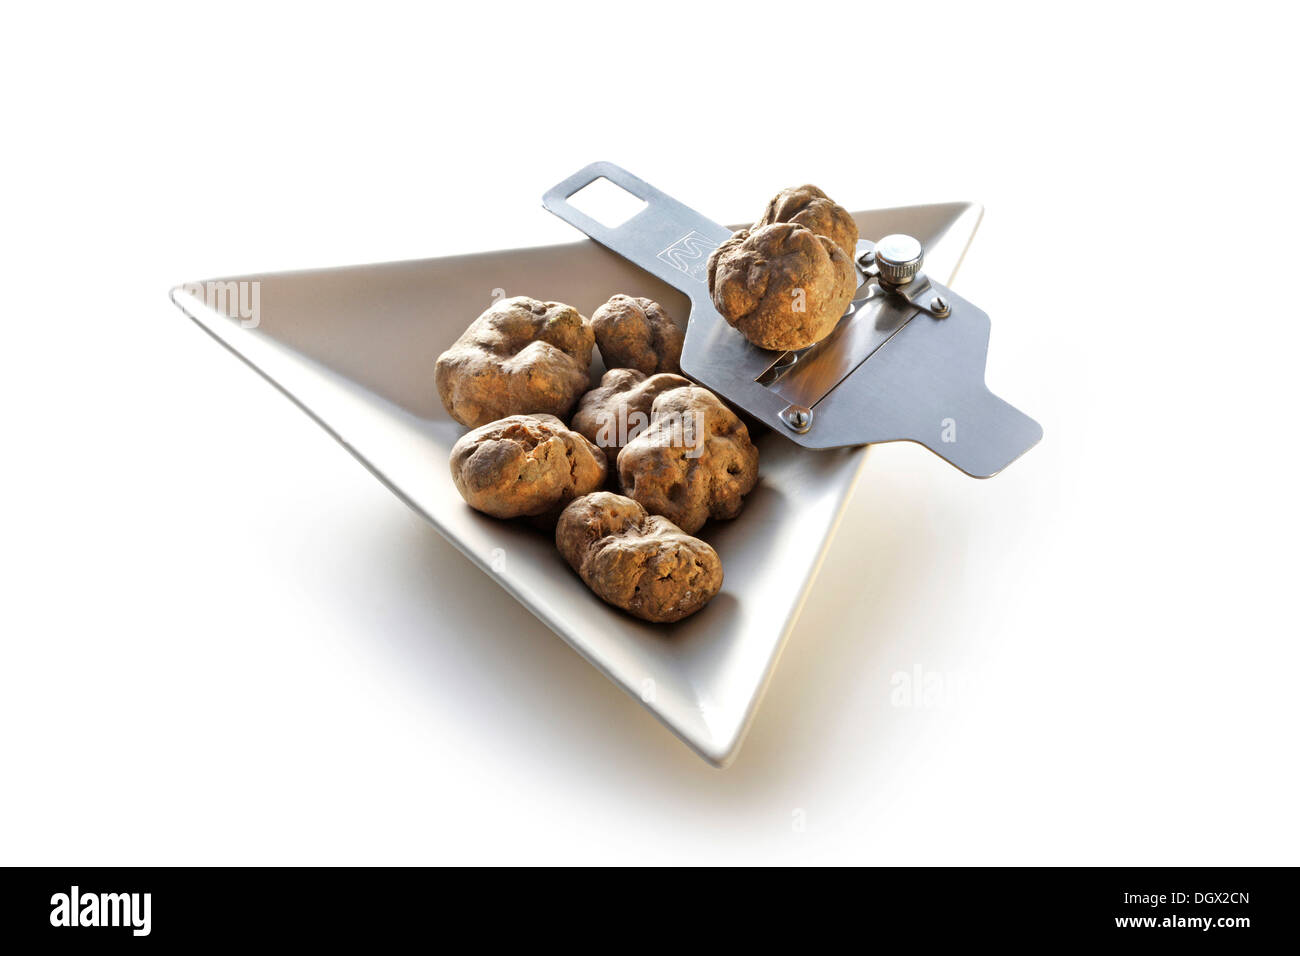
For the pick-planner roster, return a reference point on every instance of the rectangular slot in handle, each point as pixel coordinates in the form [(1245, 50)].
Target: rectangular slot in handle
[(667, 239)]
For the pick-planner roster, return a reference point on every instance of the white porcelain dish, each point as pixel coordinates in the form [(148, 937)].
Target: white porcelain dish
[(354, 347)]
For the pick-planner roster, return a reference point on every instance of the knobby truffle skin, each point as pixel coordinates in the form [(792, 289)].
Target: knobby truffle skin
[(637, 561), (520, 357), (781, 285), (618, 409), (637, 333), (693, 463), (525, 466), (814, 210)]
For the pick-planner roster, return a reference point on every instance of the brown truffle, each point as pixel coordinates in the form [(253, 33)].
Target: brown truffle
[(525, 466), (618, 409), (694, 462), (781, 285), (519, 357), (814, 210), (639, 334), (640, 562)]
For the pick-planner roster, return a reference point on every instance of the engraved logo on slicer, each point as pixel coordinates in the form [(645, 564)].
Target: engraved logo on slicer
[(690, 254)]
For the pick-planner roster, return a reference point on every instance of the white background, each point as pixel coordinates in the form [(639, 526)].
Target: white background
[(224, 642)]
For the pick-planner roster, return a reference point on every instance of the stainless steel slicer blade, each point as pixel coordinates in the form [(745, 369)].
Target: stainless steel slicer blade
[(905, 363)]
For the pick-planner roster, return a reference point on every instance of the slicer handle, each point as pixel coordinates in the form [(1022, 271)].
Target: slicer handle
[(667, 239)]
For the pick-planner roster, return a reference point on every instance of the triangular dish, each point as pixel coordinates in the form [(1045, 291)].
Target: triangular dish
[(354, 347)]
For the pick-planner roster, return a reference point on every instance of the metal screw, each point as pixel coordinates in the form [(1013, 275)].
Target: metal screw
[(899, 258), (797, 418), (939, 305)]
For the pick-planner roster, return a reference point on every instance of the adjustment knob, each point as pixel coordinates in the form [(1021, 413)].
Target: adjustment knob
[(899, 259)]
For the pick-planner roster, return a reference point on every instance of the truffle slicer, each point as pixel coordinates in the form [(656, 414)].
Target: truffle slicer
[(905, 363)]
